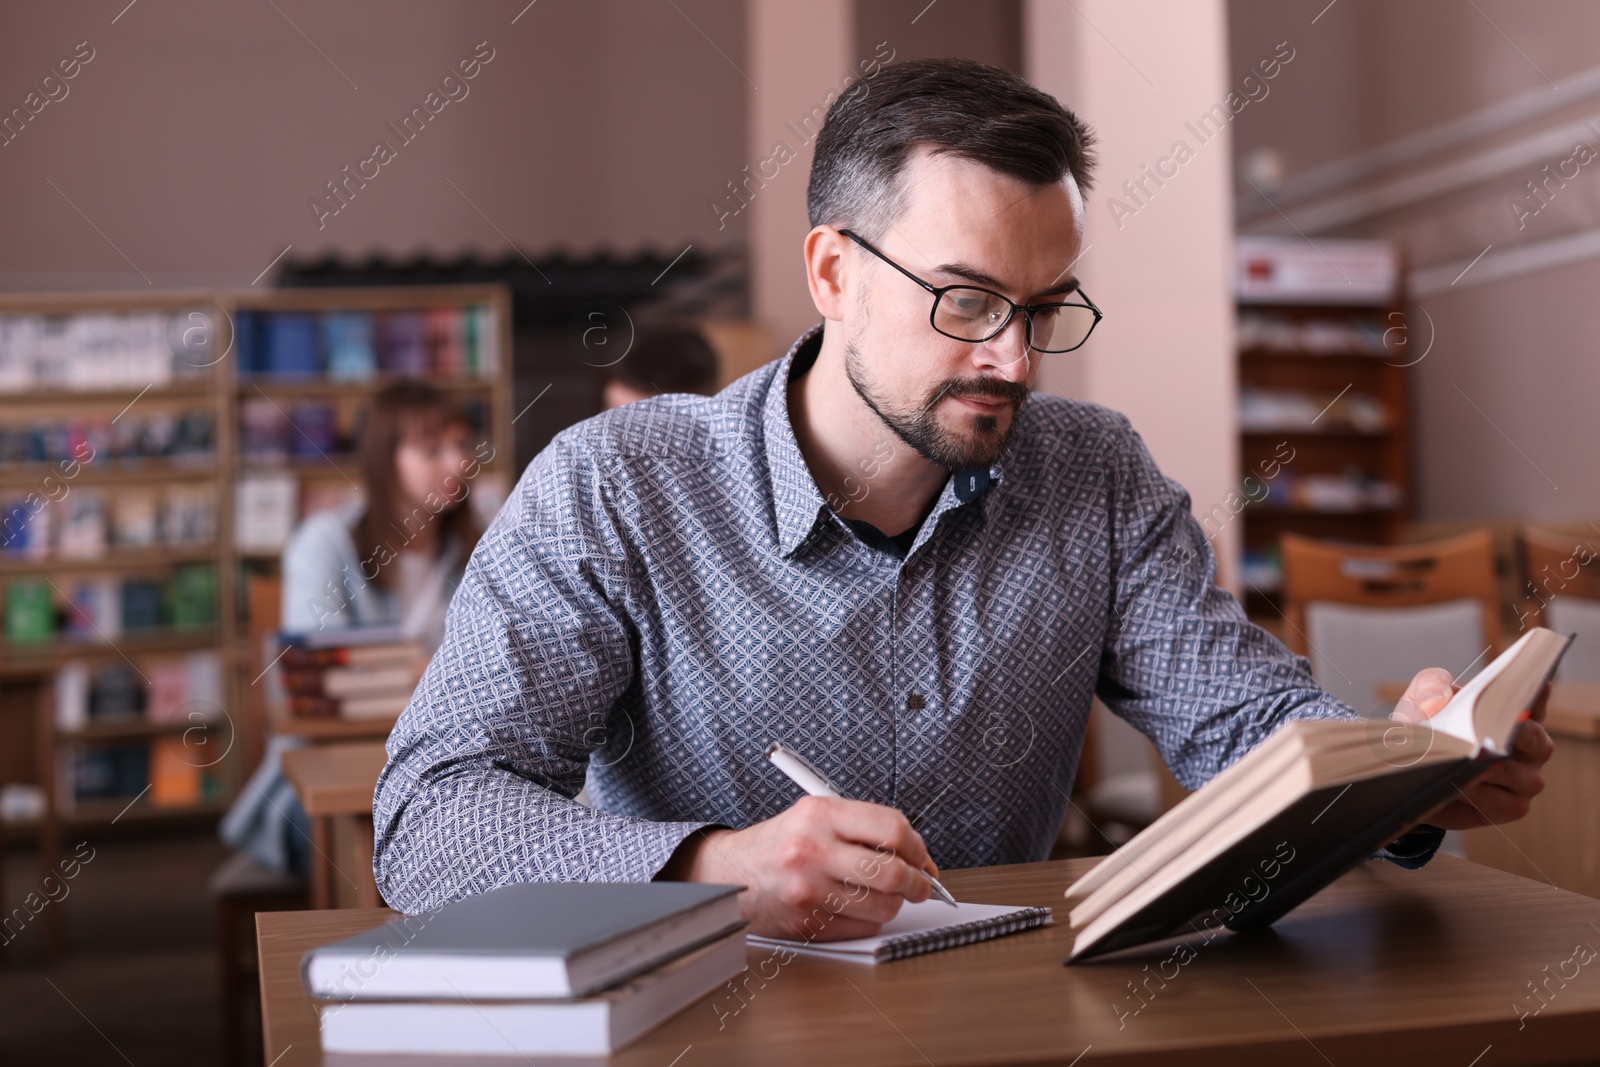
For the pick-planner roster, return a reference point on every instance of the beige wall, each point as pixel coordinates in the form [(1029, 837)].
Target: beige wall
[(1504, 399), (1136, 72), (802, 55), (198, 132)]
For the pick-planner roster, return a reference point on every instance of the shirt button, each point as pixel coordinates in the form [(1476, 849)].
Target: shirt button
[(915, 702)]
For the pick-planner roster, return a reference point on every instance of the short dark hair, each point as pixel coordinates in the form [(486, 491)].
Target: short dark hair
[(956, 106), (675, 359)]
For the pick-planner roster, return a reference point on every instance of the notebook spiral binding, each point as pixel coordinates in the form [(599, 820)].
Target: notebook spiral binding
[(912, 944)]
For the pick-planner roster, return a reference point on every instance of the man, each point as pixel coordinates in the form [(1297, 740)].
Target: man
[(880, 550)]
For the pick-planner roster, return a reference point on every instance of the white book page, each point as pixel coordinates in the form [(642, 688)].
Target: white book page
[(1456, 718)]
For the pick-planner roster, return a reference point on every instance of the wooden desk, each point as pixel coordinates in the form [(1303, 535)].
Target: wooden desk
[(1559, 840), (1406, 966), (334, 783)]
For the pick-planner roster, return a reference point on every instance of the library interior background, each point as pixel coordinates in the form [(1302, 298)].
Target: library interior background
[(1346, 254)]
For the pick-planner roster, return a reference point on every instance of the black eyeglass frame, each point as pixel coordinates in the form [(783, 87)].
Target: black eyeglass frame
[(1028, 310)]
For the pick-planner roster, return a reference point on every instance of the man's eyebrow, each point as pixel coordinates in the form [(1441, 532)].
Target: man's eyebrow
[(989, 281)]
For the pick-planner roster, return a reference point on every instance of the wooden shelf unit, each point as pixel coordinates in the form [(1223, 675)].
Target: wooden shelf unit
[(1383, 454), (217, 387)]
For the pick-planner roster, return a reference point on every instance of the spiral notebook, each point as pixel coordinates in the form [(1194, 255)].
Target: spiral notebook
[(927, 926)]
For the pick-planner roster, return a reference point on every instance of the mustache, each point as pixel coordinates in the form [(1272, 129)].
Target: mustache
[(987, 388)]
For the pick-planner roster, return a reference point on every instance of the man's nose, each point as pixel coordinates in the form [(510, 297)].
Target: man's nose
[(1007, 351)]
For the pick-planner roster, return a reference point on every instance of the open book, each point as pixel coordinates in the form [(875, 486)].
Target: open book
[(1300, 809)]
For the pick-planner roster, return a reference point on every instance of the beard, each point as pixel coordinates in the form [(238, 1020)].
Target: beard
[(985, 441)]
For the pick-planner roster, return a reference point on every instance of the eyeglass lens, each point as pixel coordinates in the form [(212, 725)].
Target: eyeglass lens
[(976, 315)]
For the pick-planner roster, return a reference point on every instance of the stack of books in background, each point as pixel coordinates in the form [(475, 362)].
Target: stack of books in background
[(352, 673), (358, 346), (544, 968)]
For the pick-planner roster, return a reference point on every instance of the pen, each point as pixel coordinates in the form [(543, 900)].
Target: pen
[(813, 781)]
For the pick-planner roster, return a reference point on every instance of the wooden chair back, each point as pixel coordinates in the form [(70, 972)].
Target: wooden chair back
[(1556, 564), (1455, 568)]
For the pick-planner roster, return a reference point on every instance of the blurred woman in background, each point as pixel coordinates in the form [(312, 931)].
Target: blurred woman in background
[(394, 558)]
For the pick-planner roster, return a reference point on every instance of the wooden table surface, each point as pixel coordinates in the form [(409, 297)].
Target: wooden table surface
[(335, 779), (1385, 966)]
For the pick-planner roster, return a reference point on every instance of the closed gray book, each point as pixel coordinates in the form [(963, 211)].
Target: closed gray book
[(518, 942)]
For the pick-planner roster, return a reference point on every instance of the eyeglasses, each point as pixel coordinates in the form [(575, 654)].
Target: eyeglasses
[(968, 313)]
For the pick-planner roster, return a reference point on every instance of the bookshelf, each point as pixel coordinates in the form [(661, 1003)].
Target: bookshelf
[(122, 448), (1324, 401)]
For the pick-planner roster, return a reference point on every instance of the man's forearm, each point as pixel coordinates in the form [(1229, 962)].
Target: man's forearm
[(470, 832)]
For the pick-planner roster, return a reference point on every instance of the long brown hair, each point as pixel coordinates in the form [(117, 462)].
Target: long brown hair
[(402, 410)]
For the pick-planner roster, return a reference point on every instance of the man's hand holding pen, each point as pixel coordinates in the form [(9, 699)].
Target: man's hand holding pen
[(824, 869)]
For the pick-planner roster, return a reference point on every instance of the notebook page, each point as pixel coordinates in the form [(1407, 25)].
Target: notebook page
[(923, 927)]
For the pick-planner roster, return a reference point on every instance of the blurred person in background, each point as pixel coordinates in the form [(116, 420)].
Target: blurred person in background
[(674, 360), (392, 558)]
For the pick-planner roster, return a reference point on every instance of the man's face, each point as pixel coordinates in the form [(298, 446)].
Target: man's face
[(953, 401)]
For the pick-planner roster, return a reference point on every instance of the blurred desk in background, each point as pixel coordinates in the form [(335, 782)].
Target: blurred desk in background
[(335, 783)]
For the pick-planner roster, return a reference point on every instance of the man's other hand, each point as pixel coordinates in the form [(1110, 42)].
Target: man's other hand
[(824, 869), (1505, 791)]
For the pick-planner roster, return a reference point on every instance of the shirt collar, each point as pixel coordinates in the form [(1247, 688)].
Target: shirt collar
[(797, 502)]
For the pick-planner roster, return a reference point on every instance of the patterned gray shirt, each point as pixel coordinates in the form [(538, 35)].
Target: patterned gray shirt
[(666, 591)]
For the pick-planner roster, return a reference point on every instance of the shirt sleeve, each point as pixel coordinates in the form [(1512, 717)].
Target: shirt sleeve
[(1181, 661), (485, 760)]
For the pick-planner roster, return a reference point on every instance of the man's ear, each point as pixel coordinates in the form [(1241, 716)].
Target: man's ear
[(825, 255)]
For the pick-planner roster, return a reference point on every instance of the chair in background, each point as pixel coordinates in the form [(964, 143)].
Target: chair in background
[(1562, 576), (1367, 615)]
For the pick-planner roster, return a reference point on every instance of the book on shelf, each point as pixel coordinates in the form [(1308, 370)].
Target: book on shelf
[(405, 344), (185, 689), (1300, 809), (347, 338), (136, 517), (264, 510), (94, 609), (596, 1025), (83, 525), (191, 596), (316, 430), (30, 611), (25, 527), (525, 941)]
